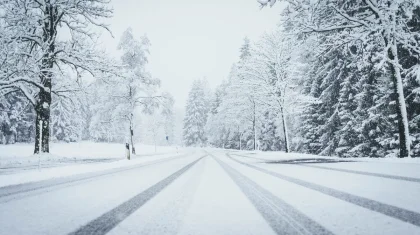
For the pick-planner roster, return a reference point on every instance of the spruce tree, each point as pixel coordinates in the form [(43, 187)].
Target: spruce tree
[(195, 116)]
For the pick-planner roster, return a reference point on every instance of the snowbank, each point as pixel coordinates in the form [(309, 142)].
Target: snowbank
[(18, 166), (46, 172), (17, 158), (18, 154), (282, 156), (80, 150)]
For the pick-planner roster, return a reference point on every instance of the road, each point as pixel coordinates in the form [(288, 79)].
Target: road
[(221, 192)]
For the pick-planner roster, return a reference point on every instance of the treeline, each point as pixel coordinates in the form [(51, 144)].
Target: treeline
[(337, 78), (55, 82)]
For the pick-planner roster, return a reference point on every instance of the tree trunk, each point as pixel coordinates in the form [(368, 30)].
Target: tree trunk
[(42, 122), (255, 133), (286, 137), (133, 149), (240, 141), (254, 123), (42, 107), (403, 129), (127, 151)]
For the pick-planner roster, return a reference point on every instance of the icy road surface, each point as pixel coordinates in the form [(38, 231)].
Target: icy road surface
[(221, 192)]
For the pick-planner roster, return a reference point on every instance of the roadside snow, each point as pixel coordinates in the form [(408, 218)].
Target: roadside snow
[(278, 155), (64, 209), (80, 150), (55, 172), (20, 155), (17, 166), (338, 216)]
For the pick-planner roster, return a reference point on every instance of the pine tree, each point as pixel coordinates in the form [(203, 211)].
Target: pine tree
[(245, 50), (268, 137), (347, 105), (386, 28), (216, 133), (196, 116), (321, 119)]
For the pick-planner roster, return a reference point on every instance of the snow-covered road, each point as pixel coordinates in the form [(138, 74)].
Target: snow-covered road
[(220, 192)]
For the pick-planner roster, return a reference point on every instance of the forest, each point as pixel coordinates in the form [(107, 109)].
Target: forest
[(58, 84), (336, 78), (210, 117)]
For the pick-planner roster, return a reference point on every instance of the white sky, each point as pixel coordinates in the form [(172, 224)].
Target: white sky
[(190, 38)]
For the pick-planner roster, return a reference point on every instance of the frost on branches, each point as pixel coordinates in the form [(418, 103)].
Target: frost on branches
[(122, 96), (33, 52), (361, 37), (196, 113)]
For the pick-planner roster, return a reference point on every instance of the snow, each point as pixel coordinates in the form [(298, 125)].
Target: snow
[(277, 94), (67, 159), (336, 215), (401, 99), (62, 210), (219, 207), (368, 187), (81, 149), (282, 156), (202, 201), (209, 199)]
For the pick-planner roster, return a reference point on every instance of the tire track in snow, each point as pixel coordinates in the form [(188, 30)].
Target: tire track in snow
[(104, 223), (282, 217), (175, 208), (394, 177), (9, 193), (386, 176), (389, 210)]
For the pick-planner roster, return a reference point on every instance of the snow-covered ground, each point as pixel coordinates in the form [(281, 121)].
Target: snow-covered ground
[(18, 165), (210, 191), (84, 149), (299, 156)]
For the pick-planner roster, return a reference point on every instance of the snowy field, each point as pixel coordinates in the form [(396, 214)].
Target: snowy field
[(80, 150), (19, 165), (213, 191)]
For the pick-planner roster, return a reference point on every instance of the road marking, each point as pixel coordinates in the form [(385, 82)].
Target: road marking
[(389, 210), (282, 217), (104, 223)]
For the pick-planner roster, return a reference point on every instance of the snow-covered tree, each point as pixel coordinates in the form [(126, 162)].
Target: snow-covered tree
[(268, 137), (168, 116), (67, 121), (274, 74), (196, 115), (237, 113), (139, 87), (216, 132), (383, 27), (36, 51), (16, 116), (120, 96)]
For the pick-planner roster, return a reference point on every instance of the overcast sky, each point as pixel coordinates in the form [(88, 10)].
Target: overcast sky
[(190, 38)]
